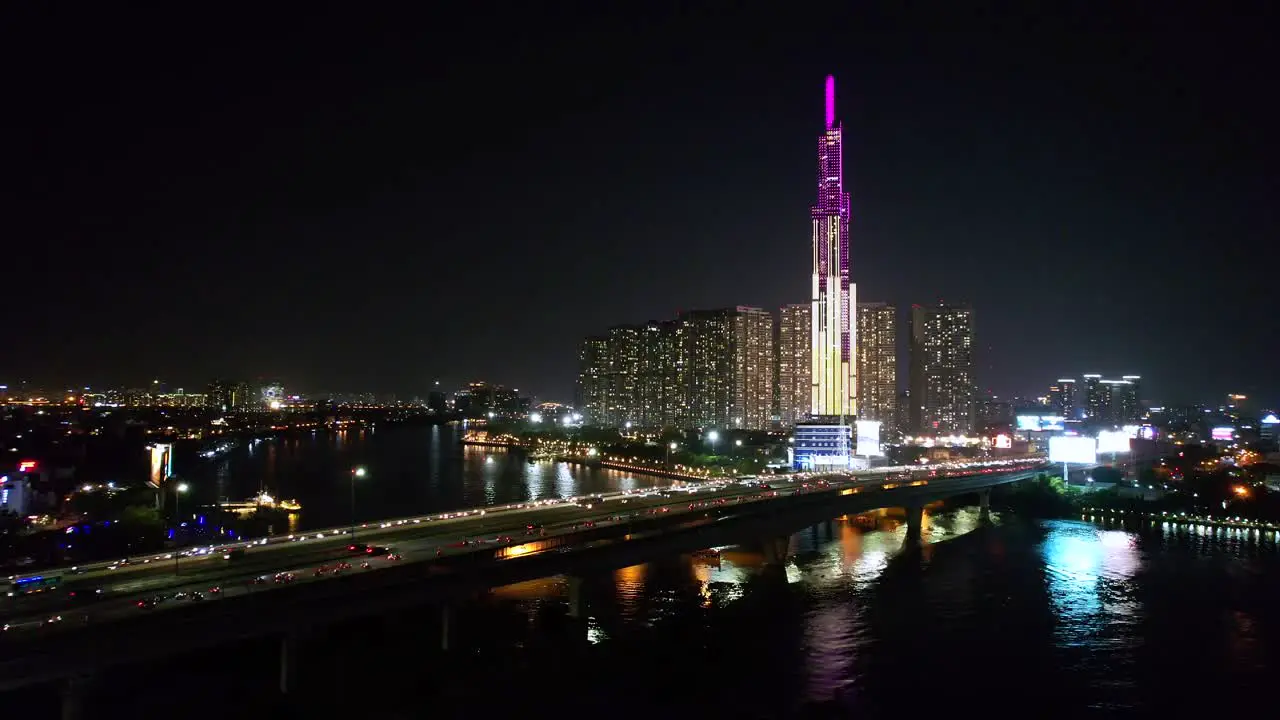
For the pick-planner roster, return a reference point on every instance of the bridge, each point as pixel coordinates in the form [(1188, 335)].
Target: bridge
[(280, 587)]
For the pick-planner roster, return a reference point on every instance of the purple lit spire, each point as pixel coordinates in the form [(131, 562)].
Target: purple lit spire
[(831, 101)]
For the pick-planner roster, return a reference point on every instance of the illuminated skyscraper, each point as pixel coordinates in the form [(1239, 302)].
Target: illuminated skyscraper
[(1062, 398), (708, 368), (833, 303), (592, 397), (877, 374), (942, 381), (795, 364), (752, 368)]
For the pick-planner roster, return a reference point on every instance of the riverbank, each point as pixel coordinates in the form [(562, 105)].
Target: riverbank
[(594, 462), (1095, 514)]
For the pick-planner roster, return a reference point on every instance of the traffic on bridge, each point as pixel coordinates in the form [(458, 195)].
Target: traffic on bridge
[(62, 599)]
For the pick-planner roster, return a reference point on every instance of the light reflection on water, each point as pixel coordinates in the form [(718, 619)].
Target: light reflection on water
[(1073, 598), (1090, 573), (411, 470)]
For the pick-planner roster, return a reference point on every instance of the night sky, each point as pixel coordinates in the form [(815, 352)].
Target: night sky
[(357, 203)]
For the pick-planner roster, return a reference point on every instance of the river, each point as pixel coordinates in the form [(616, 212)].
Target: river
[(410, 470)]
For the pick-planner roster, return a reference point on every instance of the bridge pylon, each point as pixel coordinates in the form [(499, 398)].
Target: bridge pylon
[(915, 525)]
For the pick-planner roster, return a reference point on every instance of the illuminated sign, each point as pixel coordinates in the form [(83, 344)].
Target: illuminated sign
[(1223, 433), (27, 466), (161, 463), (1147, 432), (1003, 442), (1073, 450), (1271, 420), (868, 438), (1040, 422), (1113, 441), (272, 394)]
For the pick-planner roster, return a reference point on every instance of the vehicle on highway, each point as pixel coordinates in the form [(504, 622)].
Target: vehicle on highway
[(149, 603), (359, 549), (82, 596), (34, 584), (233, 554), (395, 556)]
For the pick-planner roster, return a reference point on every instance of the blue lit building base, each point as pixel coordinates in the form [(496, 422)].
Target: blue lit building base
[(822, 447)]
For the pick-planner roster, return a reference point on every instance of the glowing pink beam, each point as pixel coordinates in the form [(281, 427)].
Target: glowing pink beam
[(831, 101)]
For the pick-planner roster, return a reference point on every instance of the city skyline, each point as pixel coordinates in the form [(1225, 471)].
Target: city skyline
[(304, 211)]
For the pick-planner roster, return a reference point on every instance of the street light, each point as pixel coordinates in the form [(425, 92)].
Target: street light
[(177, 513), (713, 436), (737, 443), (356, 472), (670, 449)]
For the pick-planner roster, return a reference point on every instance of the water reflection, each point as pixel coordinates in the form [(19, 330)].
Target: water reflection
[(412, 470), (1084, 618), (1090, 573)]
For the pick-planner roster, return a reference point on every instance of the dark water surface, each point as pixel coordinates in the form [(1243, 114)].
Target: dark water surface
[(411, 470)]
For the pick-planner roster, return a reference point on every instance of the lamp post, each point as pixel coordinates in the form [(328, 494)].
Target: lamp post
[(670, 449), (356, 472), (177, 514), (712, 437)]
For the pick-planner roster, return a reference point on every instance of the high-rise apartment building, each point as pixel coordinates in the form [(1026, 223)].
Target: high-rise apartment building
[(752, 369), (942, 378), (1112, 402), (795, 365), (708, 353), (593, 361), (832, 299), (1062, 398), (708, 368), (622, 376), (877, 376)]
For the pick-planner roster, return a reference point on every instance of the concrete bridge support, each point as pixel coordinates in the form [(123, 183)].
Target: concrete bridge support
[(577, 602), (74, 690), (288, 663), (915, 524), (984, 505), (776, 549), (447, 620)]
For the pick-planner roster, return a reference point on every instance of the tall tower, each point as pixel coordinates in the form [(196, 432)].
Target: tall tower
[(833, 332)]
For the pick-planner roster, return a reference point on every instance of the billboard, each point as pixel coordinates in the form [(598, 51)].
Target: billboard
[(868, 438), (1073, 450), (1040, 422), (161, 463), (1003, 442), (1113, 441), (1223, 433)]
